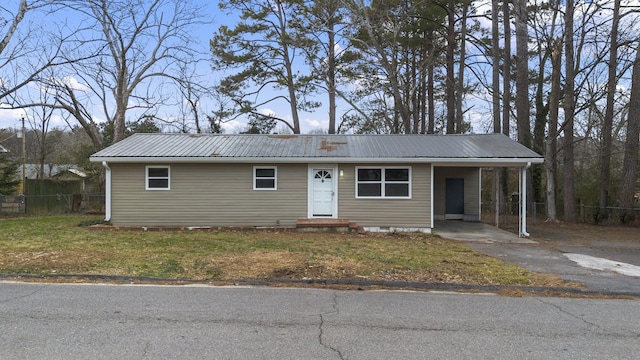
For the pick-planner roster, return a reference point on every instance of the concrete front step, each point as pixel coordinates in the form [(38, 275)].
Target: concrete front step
[(328, 225)]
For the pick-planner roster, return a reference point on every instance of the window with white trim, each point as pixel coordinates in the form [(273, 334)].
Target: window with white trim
[(158, 177), (265, 178), (383, 182)]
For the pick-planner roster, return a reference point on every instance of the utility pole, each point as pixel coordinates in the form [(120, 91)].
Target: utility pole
[(24, 158)]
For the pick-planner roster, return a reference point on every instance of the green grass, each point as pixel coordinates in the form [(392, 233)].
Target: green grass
[(58, 244)]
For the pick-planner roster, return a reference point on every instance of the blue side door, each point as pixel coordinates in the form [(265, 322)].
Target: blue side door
[(454, 194)]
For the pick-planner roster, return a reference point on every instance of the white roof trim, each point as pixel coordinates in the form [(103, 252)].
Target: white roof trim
[(304, 160)]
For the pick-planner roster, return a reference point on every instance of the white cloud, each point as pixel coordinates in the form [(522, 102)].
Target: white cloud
[(73, 83), (267, 112), (10, 118), (233, 127), (313, 123)]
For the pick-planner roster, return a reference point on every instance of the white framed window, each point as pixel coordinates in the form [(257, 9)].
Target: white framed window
[(265, 178), (383, 182), (158, 177)]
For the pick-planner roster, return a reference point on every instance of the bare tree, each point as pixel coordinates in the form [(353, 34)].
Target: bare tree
[(40, 120), (73, 100), (522, 74), (495, 97), (506, 72), (193, 94), (569, 114), (506, 88), (552, 133), (450, 64), (607, 124), (26, 48), (630, 164), (140, 42)]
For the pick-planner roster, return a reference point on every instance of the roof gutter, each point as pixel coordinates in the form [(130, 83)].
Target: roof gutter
[(330, 160), (107, 192)]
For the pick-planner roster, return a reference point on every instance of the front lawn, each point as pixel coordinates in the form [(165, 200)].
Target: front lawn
[(60, 245)]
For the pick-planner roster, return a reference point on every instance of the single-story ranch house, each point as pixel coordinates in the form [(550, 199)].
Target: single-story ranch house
[(380, 182)]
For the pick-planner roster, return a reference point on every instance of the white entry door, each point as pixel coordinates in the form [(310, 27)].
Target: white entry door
[(322, 193)]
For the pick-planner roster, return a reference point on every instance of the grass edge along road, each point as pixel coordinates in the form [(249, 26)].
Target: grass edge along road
[(64, 245)]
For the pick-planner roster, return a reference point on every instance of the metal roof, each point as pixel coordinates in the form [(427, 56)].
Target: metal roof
[(316, 148)]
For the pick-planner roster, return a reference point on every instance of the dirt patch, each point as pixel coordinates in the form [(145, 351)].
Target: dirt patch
[(583, 233), (284, 265), (556, 231)]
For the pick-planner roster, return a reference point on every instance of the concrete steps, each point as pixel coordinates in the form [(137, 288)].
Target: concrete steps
[(328, 225)]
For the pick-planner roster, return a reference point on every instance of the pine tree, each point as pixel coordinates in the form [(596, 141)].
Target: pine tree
[(9, 178)]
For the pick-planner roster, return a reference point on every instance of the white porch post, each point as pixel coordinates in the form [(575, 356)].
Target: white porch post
[(107, 192), (523, 201)]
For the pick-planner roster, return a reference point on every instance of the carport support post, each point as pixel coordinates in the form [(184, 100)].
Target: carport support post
[(523, 201), (107, 192)]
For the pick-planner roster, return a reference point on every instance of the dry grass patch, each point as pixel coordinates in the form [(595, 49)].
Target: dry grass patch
[(281, 265), (56, 261), (46, 245)]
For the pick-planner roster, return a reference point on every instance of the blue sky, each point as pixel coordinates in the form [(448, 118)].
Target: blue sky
[(11, 118), (309, 121)]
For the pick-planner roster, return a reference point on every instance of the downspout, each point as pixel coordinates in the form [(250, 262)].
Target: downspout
[(431, 197), (107, 192), (523, 204)]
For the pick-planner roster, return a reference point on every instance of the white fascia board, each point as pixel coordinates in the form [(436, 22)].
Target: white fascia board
[(486, 162)]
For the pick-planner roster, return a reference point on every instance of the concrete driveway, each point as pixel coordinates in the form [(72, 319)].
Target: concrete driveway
[(559, 258), (477, 232)]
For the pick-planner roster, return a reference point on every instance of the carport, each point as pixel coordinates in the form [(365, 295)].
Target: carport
[(457, 190)]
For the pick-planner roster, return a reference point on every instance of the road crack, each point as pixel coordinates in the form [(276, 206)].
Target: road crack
[(321, 328), (569, 313), (22, 296)]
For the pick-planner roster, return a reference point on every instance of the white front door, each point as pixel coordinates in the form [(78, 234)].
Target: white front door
[(322, 192)]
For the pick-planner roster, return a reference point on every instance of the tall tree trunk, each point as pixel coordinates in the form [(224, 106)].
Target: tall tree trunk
[(495, 88), (630, 164), (450, 82), (607, 124), (506, 69), (506, 91), (331, 75), (569, 113), (522, 82), (431, 114), (522, 73), (431, 102), (550, 148), (461, 65), (542, 110), (122, 101), (423, 96), (291, 87), (495, 58)]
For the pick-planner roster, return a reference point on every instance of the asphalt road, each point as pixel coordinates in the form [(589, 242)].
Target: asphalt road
[(50, 321)]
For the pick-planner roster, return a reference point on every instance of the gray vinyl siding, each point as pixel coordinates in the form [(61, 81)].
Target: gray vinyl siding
[(208, 195), (471, 176), (407, 213)]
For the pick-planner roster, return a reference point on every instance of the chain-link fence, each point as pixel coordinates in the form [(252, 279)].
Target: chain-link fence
[(12, 204), (537, 212), (52, 204)]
